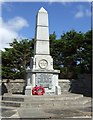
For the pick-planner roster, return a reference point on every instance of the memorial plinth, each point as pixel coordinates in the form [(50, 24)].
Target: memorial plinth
[(41, 72)]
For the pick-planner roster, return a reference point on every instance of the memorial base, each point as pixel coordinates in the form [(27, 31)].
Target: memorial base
[(46, 78), (56, 91), (28, 90)]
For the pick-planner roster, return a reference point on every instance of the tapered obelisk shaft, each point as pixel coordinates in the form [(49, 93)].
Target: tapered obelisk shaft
[(42, 33), (41, 72)]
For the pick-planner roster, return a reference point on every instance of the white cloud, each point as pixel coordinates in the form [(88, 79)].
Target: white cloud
[(79, 14), (82, 12), (9, 30), (16, 24)]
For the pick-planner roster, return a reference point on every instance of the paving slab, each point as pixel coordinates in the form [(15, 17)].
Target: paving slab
[(49, 108), (52, 113), (46, 113), (7, 113), (47, 118)]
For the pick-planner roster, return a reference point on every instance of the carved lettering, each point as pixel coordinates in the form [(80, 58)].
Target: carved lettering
[(44, 80)]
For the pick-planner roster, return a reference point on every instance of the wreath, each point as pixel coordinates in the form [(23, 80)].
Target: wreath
[(38, 90), (34, 90)]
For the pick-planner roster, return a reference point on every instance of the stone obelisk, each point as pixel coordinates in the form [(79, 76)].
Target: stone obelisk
[(41, 72)]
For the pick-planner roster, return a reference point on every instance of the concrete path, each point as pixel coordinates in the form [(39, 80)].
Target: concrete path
[(60, 109)]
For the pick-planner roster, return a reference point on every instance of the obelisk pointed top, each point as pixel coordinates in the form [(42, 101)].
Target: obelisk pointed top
[(42, 10)]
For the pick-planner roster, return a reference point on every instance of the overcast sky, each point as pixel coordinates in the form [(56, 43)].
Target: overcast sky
[(18, 19)]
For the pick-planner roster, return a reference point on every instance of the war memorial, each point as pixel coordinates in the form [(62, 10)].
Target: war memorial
[(41, 71), (53, 104)]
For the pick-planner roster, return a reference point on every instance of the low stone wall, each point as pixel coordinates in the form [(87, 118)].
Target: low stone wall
[(65, 85), (82, 85), (17, 86), (13, 86)]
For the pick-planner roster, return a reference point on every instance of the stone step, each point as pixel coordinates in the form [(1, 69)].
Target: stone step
[(44, 108), (43, 103), (58, 103), (66, 105), (30, 99), (8, 107), (52, 97), (46, 100), (44, 97), (13, 98), (11, 103)]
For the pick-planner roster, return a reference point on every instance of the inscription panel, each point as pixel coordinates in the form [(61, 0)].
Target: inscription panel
[(44, 79)]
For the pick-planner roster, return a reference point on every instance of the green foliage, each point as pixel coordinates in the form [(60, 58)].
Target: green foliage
[(16, 59), (85, 54), (71, 55)]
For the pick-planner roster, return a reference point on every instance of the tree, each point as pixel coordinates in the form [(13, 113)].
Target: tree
[(16, 59), (71, 42), (71, 55), (85, 54)]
